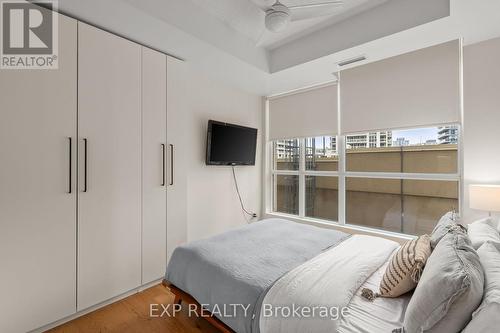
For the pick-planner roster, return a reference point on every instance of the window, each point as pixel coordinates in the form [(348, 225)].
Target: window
[(424, 150), (394, 180), (399, 205), (321, 153), (322, 195), (287, 194), (306, 168), (286, 155)]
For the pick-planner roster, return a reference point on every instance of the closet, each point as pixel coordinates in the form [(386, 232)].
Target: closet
[(109, 198), (91, 185), (38, 190), (154, 164)]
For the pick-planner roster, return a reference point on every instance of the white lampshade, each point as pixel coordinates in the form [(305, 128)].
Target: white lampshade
[(485, 197)]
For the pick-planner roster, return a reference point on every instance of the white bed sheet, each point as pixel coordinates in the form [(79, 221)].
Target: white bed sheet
[(331, 279), (381, 315)]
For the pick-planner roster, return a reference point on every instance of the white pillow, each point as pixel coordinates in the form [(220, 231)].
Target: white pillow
[(482, 231), (450, 289), (446, 222), (486, 318)]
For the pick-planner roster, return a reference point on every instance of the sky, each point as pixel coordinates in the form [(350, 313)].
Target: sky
[(416, 136)]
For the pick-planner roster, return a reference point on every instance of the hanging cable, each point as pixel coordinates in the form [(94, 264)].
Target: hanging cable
[(239, 196)]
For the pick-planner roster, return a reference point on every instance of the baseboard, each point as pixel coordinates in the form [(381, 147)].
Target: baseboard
[(97, 306)]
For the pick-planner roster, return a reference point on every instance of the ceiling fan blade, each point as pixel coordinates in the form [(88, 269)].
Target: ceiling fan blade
[(261, 6), (319, 4), (312, 11)]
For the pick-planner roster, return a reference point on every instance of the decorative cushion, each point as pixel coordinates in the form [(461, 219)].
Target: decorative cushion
[(482, 231), (404, 270), (446, 223), (486, 318), (487, 321), (450, 289)]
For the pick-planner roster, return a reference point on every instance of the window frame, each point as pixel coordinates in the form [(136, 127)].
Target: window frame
[(342, 175)]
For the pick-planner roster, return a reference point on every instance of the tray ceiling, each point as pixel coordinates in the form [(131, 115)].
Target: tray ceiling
[(247, 17)]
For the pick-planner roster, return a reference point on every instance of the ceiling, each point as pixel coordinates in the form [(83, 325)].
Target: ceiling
[(247, 17), (237, 26), (224, 40)]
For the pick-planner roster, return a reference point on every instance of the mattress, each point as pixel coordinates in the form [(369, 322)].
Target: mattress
[(381, 315), (238, 266), (245, 265)]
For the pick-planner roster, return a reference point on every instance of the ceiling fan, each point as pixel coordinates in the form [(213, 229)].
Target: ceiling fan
[(278, 15)]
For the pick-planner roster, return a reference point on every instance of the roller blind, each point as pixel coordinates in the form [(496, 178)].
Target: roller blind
[(305, 114), (414, 89)]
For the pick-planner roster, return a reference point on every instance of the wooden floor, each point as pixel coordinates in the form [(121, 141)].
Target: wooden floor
[(132, 315)]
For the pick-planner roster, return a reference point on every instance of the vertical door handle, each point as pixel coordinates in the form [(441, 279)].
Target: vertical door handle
[(162, 164), (171, 164), (85, 165), (70, 165)]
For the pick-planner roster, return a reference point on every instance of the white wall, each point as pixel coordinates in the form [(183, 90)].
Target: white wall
[(481, 118), (212, 202)]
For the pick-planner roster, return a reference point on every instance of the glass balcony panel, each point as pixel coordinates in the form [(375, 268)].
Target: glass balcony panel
[(322, 197), (321, 153), (374, 203), (406, 206), (287, 194)]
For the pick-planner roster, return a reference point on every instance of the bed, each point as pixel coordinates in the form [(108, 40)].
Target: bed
[(273, 262)]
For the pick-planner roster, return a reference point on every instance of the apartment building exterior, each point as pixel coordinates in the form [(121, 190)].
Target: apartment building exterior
[(448, 134), (369, 140)]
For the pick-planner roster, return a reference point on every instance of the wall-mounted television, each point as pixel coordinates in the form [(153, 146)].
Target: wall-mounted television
[(229, 144)]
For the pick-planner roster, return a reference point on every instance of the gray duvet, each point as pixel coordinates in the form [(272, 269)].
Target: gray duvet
[(236, 268)]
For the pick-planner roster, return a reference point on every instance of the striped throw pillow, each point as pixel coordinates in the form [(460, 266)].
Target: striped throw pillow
[(404, 270)]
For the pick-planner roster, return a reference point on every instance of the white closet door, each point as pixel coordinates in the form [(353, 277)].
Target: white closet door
[(109, 224), (37, 214), (178, 97), (154, 150)]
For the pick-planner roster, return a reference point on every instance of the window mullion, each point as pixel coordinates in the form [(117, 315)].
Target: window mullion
[(302, 177), (286, 172), (275, 192), (342, 179), (406, 176), (270, 190)]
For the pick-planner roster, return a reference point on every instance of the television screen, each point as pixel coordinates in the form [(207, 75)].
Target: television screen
[(229, 144)]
